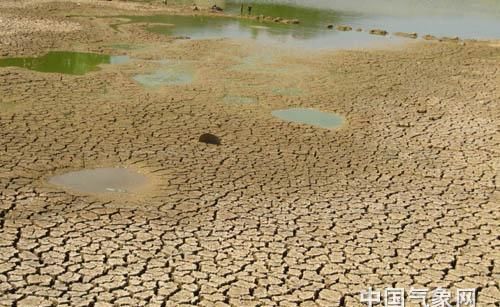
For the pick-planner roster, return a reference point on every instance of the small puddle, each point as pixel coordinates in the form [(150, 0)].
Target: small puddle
[(239, 100), (101, 180), (119, 59), (73, 63), (165, 76), (310, 117)]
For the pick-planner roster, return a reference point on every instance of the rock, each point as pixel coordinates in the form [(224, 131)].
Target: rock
[(290, 21), (404, 124), (216, 8), (330, 26), (429, 37), (359, 30), (209, 138), (405, 34), (378, 32), (277, 19), (195, 8), (344, 28)]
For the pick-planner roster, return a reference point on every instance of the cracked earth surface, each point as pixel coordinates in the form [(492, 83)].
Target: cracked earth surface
[(405, 194)]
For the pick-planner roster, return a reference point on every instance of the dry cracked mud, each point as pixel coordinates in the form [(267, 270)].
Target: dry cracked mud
[(405, 194)]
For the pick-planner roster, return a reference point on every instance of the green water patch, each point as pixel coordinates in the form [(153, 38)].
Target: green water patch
[(232, 99), (165, 76), (65, 62), (101, 180), (310, 117)]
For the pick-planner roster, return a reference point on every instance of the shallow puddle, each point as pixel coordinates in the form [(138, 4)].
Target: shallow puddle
[(101, 180), (310, 117), (73, 63), (175, 74)]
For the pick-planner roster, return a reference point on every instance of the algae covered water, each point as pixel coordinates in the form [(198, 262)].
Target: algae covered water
[(66, 62)]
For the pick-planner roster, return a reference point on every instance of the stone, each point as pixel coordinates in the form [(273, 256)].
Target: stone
[(378, 32), (209, 138), (330, 26), (429, 37), (343, 28)]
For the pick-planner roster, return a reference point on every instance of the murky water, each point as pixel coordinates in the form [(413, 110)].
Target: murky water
[(165, 76), (101, 180), (472, 19), (464, 18), (310, 117), (311, 34), (74, 63)]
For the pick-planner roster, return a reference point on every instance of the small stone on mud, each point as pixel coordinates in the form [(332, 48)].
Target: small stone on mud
[(378, 32), (359, 30), (330, 26), (405, 124), (344, 28), (209, 138)]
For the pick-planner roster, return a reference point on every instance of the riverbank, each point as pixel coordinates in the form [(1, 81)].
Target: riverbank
[(404, 194)]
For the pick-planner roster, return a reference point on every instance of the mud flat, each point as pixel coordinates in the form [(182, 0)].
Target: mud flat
[(404, 194)]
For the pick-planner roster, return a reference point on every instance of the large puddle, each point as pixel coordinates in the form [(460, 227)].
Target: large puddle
[(310, 117), (73, 63), (479, 20), (101, 180)]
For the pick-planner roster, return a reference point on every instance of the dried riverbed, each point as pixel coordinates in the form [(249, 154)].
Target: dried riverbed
[(404, 193)]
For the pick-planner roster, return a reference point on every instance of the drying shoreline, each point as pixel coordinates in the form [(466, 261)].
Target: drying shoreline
[(404, 194)]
